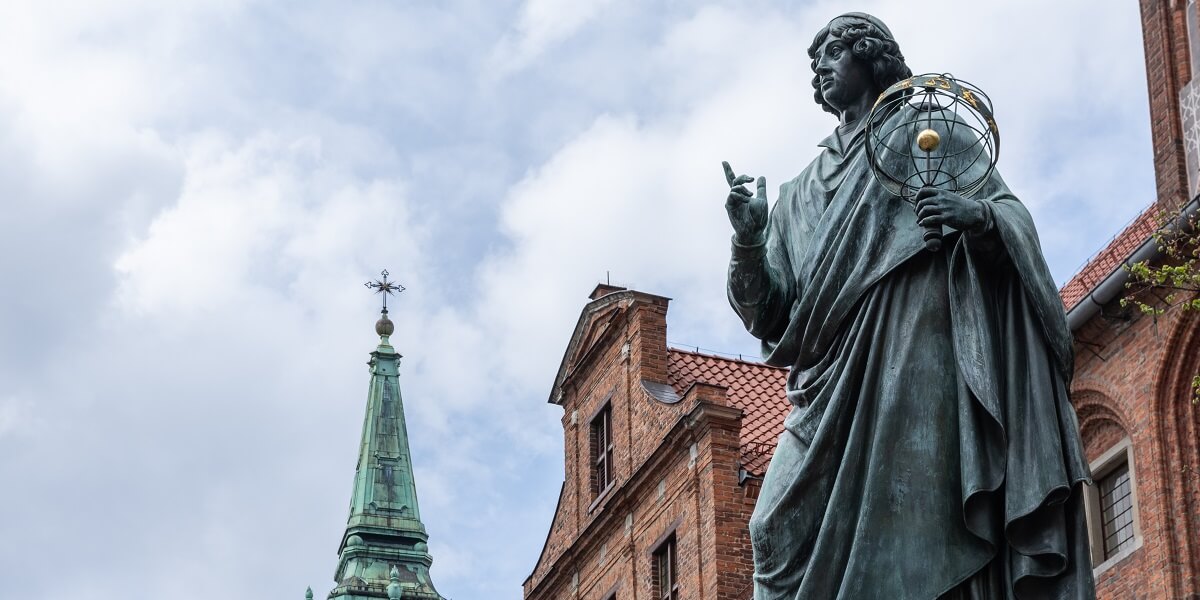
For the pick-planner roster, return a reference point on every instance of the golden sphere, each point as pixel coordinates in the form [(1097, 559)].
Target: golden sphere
[(928, 140)]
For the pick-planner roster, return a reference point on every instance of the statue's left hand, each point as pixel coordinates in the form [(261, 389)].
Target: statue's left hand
[(942, 207)]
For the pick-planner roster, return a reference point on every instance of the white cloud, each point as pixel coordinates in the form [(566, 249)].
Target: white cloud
[(642, 197), (258, 215), (540, 25), (16, 416), (199, 193)]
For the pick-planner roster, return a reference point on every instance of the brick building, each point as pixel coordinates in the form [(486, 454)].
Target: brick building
[(664, 447), (663, 451), (1133, 373)]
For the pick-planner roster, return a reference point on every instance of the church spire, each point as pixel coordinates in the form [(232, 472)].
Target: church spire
[(383, 551)]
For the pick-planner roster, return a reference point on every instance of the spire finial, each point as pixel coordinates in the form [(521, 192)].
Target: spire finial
[(393, 588), (384, 327), (385, 287), (308, 594)]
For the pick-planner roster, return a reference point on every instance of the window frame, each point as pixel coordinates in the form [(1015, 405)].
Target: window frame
[(665, 554), (602, 450), (1120, 454), (1117, 528)]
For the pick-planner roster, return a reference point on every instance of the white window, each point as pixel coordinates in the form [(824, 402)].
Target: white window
[(1111, 507)]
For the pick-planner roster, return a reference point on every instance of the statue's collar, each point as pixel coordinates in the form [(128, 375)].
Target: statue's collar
[(843, 137)]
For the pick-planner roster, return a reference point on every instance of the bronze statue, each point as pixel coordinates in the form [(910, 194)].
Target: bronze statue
[(932, 451)]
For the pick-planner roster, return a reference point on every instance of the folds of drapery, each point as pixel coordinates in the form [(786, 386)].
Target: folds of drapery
[(834, 235)]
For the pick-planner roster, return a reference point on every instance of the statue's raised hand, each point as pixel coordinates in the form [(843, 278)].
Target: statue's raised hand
[(747, 213)]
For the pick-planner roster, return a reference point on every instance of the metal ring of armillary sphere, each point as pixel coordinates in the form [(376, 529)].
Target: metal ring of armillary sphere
[(932, 130)]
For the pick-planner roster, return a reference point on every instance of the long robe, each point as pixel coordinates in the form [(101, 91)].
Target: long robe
[(932, 451)]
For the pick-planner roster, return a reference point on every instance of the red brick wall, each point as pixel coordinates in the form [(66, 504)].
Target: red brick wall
[(731, 510), (674, 471), (1178, 429), (1132, 380), (648, 337), (1128, 384), (675, 495), (1168, 69), (1133, 376)]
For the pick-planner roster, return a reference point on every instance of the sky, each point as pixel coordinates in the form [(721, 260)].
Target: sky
[(195, 191)]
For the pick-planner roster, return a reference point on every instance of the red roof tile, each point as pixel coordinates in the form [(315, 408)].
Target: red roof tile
[(759, 390), (1109, 258)]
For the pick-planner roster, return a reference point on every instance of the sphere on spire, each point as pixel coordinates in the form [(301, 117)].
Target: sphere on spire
[(384, 326)]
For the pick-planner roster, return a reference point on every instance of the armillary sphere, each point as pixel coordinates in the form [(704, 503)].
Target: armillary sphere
[(932, 130)]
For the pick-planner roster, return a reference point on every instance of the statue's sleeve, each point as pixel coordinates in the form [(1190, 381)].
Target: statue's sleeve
[(760, 287), (985, 241), (1012, 238)]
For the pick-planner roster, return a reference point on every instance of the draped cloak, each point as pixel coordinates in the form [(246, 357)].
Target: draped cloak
[(931, 451)]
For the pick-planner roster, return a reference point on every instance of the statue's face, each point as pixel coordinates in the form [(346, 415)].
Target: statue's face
[(843, 78)]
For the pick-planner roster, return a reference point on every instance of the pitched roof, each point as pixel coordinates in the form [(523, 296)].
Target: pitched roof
[(1109, 258), (758, 389)]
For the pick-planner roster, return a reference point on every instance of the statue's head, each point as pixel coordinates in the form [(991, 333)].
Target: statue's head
[(854, 54)]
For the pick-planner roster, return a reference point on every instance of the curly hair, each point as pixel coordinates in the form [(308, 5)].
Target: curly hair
[(867, 43)]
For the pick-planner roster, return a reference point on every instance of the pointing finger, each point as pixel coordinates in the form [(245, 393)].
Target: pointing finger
[(762, 188), (728, 173)]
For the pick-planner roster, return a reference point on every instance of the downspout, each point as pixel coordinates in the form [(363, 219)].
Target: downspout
[(626, 349), (699, 520), (694, 467), (633, 558), (1114, 284), (626, 358)]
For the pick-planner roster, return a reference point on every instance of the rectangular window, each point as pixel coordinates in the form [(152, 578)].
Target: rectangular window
[(666, 584), (602, 451), (1116, 510), (1112, 506)]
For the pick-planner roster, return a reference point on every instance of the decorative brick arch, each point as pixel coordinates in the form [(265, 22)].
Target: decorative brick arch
[(1177, 427), (1102, 422)]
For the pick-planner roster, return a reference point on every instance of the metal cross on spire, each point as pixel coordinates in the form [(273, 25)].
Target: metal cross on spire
[(385, 287)]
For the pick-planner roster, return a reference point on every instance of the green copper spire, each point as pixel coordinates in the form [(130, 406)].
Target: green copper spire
[(383, 552)]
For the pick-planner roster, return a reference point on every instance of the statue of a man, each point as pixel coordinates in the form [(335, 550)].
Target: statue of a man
[(932, 451)]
